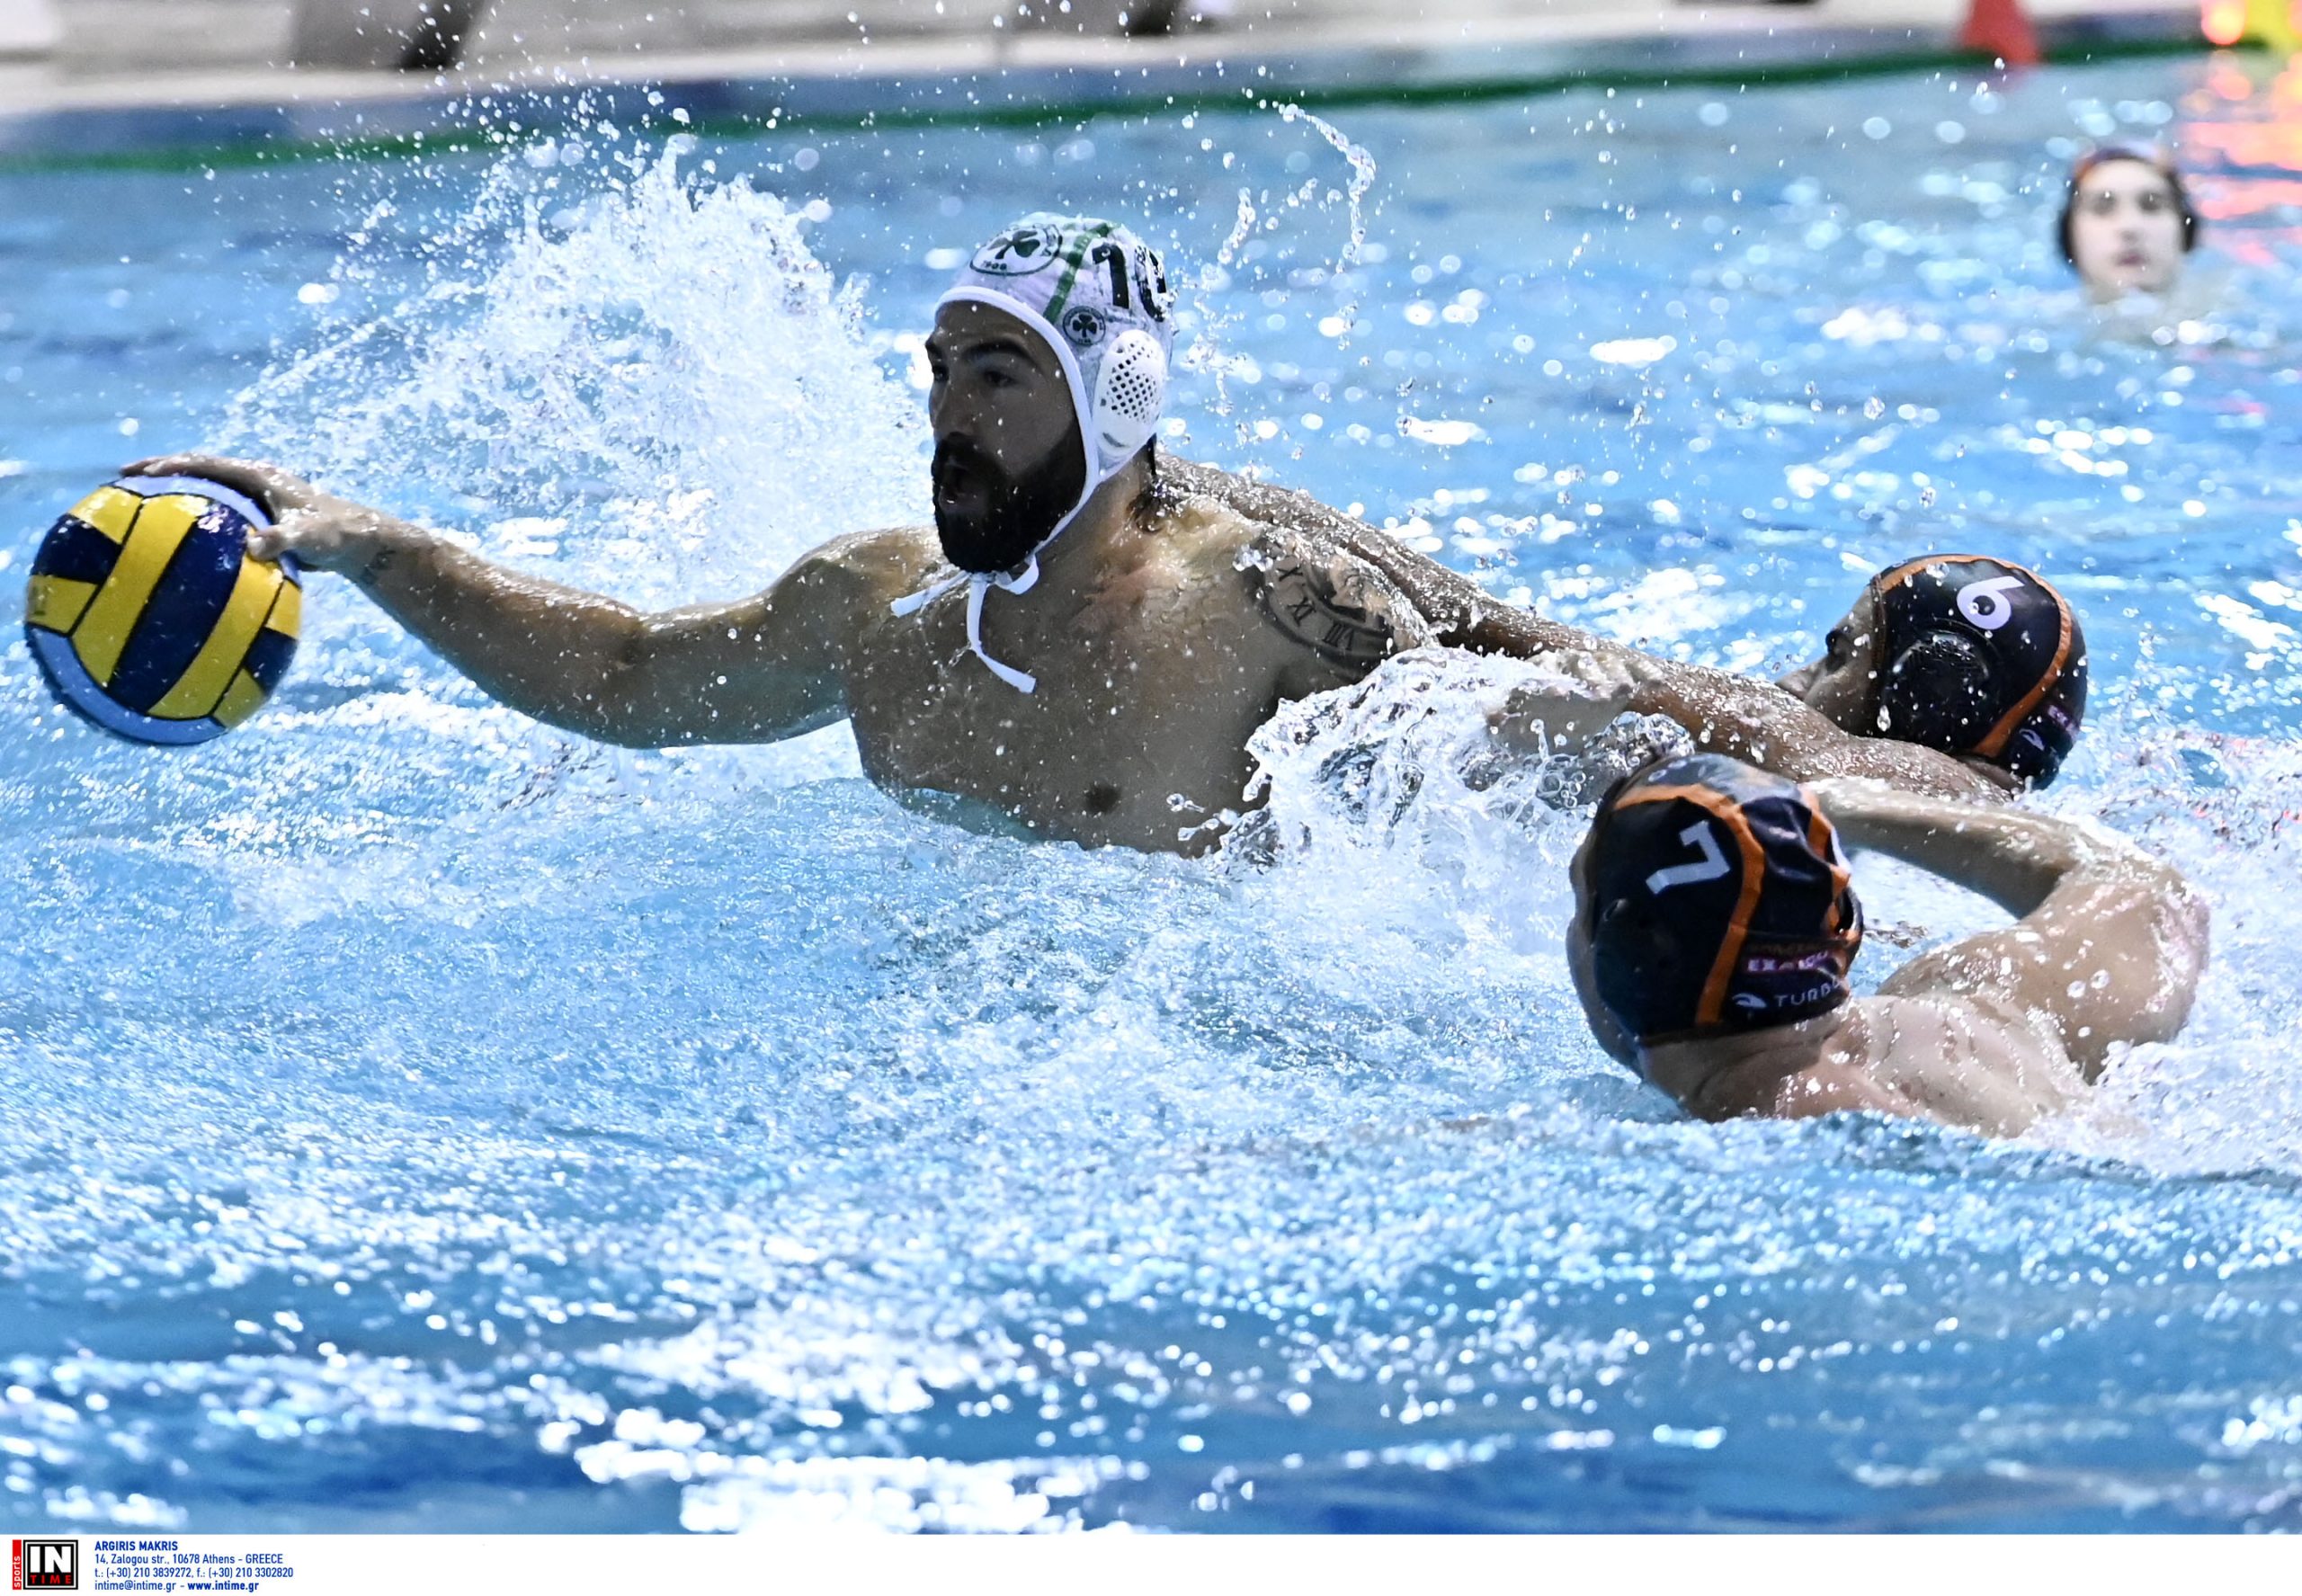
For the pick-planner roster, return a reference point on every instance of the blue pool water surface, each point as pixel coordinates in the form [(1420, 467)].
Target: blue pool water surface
[(417, 1118)]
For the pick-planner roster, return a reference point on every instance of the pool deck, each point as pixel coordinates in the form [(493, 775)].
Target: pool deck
[(157, 75)]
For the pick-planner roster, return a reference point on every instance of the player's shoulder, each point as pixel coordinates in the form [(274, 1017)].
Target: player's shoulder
[(887, 563), (1257, 502), (1941, 1019), (1286, 559), (1320, 596)]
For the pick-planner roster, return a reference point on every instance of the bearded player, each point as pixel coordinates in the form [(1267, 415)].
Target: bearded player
[(1083, 643)]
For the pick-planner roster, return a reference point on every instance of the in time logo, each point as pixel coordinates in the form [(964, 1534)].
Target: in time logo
[(44, 1565)]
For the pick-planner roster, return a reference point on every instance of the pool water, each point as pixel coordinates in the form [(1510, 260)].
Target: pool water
[(417, 1119)]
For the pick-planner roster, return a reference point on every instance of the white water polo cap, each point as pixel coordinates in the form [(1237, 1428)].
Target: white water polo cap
[(1098, 296)]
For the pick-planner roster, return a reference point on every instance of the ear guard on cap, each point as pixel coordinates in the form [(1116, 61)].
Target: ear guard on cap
[(1983, 658), (1939, 692), (1131, 392)]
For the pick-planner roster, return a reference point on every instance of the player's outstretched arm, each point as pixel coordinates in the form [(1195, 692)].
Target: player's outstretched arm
[(758, 668), (1755, 721), (2111, 942), (1761, 724)]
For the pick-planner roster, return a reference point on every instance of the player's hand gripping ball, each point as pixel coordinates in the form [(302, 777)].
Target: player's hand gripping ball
[(148, 617)]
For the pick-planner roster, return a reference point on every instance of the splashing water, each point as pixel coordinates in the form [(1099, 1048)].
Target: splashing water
[(1206, 352), (1408, 762), (1362, 178), (1243, 225), (627, 381), (656, 387)]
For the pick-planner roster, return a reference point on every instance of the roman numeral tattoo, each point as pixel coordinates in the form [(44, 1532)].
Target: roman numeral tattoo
[(1300, 600)]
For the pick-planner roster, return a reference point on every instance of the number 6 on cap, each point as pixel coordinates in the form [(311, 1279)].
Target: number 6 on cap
[(1986, 603)]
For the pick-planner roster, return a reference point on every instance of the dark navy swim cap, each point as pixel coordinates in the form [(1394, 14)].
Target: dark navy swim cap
[(1979, 657), (1719, 901)]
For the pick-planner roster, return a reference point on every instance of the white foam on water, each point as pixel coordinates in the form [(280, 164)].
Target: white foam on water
[(650, 385), (1394, 815), (1401, 778)]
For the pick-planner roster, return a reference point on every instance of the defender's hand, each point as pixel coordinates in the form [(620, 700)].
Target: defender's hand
[(322, 531), (1586, 695)]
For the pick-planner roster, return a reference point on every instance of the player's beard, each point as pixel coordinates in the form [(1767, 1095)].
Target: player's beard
[(1015, 512)]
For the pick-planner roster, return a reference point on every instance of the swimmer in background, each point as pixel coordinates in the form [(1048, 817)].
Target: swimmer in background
[(1082, 644), (1716, 919), (2126, 225)]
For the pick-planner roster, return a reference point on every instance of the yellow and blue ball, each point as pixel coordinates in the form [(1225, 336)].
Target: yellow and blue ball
[(148, 616)]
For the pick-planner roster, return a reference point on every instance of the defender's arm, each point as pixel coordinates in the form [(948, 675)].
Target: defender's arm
[(1755, 721), (1464, 615), (1458, 613), (2110, 944), (1760, 723)]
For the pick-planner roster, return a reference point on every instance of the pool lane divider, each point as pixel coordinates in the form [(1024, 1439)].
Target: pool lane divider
[(444, 121)]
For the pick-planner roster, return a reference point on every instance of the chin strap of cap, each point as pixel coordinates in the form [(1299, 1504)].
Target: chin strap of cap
[(977, 583)]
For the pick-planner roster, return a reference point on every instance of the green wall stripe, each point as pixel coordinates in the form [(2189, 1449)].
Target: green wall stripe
[(244, 153)]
